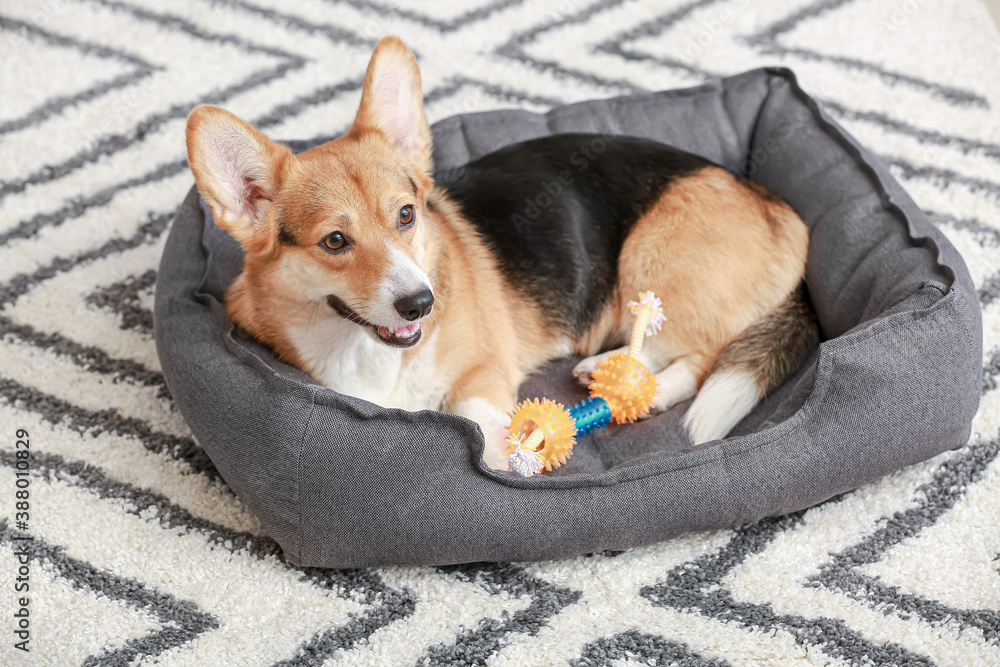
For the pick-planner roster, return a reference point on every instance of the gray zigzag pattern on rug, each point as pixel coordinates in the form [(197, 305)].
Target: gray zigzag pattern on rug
[(951, 480), (388, 605), (124, 299), (111, 144), (644, 647), (182, 620), (475, 646), (768, 39), (56, 411), (53, 106), (471, 16), (697, 585)]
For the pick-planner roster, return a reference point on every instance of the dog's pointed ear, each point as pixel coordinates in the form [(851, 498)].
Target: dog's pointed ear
[(238, 171), (392, 103)]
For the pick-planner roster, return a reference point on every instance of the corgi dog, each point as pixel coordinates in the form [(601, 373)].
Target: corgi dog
[(384, 280)]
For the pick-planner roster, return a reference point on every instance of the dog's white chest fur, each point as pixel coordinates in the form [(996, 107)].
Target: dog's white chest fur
[(344, 357)]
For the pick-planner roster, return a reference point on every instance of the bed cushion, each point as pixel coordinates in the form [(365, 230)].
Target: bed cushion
[(340, 482)]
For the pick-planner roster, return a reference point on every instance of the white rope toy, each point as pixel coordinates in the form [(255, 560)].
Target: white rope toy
[(524, 462), (655, 306)]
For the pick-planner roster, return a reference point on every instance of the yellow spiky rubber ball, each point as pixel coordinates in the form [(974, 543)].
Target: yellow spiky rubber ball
[(627, 386), (555, 422)]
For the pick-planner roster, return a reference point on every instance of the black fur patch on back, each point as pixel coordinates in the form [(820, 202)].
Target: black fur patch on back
[(556, 211)]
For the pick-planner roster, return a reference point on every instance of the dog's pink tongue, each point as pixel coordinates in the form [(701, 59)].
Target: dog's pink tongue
[(402, 332)]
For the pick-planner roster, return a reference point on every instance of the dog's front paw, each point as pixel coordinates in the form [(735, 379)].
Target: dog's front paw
[(496, 445), (494, 424), (584, 371)]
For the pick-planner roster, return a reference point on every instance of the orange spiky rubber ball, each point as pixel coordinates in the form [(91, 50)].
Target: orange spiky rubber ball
[(555, 422), (626, 384)]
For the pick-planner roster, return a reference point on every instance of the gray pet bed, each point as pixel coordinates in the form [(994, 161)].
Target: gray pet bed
[(340, 482)]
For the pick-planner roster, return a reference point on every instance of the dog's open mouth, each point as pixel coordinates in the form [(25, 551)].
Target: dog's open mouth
[(404, 336)]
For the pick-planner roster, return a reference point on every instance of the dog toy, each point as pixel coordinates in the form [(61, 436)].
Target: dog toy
[(542, 432)]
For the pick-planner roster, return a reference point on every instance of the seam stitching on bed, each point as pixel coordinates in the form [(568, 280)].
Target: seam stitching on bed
[(970, 343), (298, 473)]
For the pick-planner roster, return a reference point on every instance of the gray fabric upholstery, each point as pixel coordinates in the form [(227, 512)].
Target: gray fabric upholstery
[(339, 482)]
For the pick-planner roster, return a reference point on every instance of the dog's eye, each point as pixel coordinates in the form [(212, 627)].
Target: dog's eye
[(334, 241), (406, 215)]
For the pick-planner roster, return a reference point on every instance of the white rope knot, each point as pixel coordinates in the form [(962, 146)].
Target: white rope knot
[(648, 300), (522, 461)]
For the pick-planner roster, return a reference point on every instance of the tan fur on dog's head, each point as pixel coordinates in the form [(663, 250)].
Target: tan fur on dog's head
[(331, 220)]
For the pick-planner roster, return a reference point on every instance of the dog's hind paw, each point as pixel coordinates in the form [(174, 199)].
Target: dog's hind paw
[(583, 374), (584, 371)]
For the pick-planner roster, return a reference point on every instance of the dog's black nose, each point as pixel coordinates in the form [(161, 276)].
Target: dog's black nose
[(414, 306)]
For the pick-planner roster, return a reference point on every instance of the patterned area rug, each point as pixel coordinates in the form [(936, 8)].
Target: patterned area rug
[(137, 552)]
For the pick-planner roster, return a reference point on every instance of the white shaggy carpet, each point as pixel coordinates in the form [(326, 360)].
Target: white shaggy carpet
[(138, 556)]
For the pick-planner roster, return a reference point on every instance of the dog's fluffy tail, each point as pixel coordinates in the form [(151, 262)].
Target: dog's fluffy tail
[(752, 366)]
